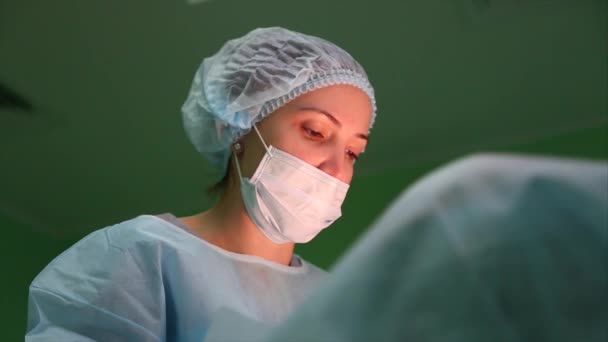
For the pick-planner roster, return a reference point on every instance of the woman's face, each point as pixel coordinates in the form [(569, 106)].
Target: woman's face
[(327, 128)]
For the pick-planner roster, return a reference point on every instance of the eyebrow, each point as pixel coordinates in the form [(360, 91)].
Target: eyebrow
[(334, 120)]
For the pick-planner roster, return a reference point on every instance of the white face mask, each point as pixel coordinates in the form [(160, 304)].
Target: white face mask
[(290, 200)]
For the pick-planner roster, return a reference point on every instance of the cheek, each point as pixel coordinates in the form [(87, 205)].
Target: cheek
[(301, 150), (290, 140), (250, 159), (349, 176)]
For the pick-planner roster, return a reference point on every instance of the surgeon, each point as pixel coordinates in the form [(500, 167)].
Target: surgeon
[(283, 116)]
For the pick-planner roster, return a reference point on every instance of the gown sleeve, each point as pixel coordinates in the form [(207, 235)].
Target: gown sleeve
[(100, 289)]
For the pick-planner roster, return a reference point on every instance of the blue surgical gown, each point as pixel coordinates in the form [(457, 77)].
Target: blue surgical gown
[(147, 279)]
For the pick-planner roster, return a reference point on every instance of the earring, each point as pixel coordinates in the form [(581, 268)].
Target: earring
[(237, 147)]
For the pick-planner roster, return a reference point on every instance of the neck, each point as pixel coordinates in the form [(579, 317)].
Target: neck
[(228, 226)]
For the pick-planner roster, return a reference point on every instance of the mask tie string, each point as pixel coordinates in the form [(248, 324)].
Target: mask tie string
[(263, 142), (236, 159)]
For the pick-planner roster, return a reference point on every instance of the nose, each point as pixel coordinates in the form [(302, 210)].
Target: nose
[(335, 164)]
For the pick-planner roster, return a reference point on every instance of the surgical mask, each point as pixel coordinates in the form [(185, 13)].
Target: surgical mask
[(288, 199)]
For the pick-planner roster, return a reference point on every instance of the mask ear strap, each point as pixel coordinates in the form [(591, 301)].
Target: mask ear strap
[(263, 142), (238, 166), (236, 159)]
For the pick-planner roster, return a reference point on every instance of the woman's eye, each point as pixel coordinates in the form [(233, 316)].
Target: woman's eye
[(352, 155), (311, 132)]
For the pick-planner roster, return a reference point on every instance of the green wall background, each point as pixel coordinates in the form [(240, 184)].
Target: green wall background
[(25, 250)]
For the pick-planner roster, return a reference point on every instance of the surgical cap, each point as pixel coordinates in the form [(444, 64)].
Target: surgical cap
[(252, 76)]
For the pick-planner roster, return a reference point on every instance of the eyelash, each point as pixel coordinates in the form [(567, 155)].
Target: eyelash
[(313, 133), (352, 155), (316, 134)]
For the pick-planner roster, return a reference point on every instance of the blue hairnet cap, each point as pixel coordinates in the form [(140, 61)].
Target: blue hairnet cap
[(252, 76)]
